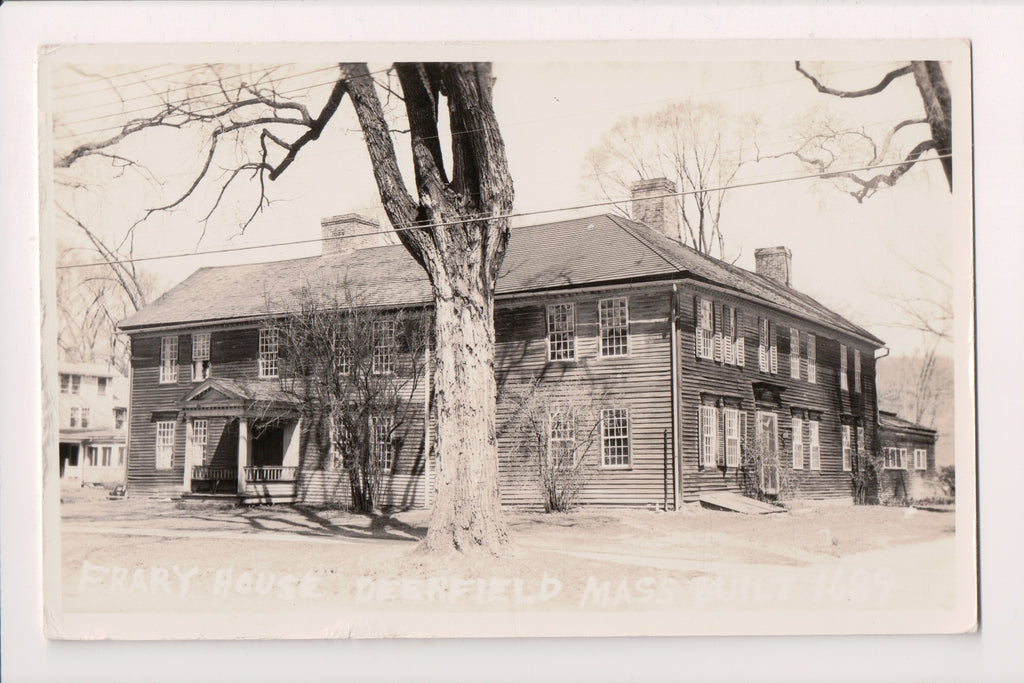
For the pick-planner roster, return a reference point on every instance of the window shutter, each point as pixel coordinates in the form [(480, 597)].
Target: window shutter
[(743, 432), (762, 346), (716, 325), (697, 345), (773, 349), (740, 347), (720, 437)]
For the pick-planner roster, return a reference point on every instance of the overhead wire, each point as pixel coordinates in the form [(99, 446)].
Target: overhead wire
[(421, 225)]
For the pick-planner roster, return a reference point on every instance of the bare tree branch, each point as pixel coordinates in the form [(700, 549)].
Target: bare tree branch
[(877, 88)]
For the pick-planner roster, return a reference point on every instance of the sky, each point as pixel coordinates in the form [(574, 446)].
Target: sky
[(854, 257)]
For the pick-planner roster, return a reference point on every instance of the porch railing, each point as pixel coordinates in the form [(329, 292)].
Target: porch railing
[(213, 472), (265, 474)]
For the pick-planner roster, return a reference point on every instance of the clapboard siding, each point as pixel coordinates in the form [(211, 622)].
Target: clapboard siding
[(639, 382), (711, 378)]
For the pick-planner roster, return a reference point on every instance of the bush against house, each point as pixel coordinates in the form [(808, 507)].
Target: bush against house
[(761, 473), (354, 370), (555, 426)]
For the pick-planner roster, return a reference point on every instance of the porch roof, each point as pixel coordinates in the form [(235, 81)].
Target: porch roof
[(222, 395)]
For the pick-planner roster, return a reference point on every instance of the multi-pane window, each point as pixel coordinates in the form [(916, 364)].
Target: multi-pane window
[(767, 353), (73, 422), (798, 443), (76, 384), (105, 455), (813, 429), (708, 435), (200, 356), (613, 321), (561, 437), (382, 447), (382, 362), (101, 386), (812, 360), (65, 384), (85, 418), (847, 448), (732, 437), (844, 382), (343, 358), (92, 456), (705, 331), (614, 437), (561, 332), (168, 360), (120, 456), (164, 444), (732, 340), (768, 430), (856, 370), (895, 458), (920, 459), (861, 443), (198, 442), (120, 416), (794, 353), (268, 352)]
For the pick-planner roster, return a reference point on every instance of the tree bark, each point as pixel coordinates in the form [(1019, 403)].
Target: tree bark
[(938, 108)]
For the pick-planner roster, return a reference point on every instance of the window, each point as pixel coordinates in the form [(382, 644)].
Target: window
[(200, 356), (120, 416), (895, 458), (812, 360), (614, 438), (732, 340), (767, 353), (268, 352), (861, 443), (847, 449), (164, 444), (382, 361), (65, 384), (343, 358), (197, 444), (85, 418), (561, 437), (613, 320), (813, 428), (92, 456), (798, 443), (844, 382), (920, 459), (76, 384), (101, 386), (856, 370), (382, 448), (705, 330), (73, 422), (107, 452), (794, 353), (708, 436), (168, 360), (732, 437), (561, 332), (120, 456), (768, 430)]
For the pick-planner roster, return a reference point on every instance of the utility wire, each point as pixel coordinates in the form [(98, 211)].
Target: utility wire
[(449, 224)]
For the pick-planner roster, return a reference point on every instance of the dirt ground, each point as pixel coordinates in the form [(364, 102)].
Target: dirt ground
[(138, 555)]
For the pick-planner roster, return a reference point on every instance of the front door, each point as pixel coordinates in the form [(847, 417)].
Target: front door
[(268, 447)]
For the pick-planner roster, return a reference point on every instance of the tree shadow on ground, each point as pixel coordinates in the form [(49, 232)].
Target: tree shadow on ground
[(313, 523)]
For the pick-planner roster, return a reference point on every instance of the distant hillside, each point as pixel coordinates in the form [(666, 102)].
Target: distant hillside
[(927, 403)]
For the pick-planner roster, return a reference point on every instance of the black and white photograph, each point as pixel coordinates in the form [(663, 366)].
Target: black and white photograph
[(500, 339)]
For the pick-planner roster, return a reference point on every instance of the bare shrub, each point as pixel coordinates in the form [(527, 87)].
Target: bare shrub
[(762, 475)]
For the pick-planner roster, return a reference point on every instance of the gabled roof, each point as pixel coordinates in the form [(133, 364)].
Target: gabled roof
[(890, 420), (601, 249), (225, 390), (87, 369)]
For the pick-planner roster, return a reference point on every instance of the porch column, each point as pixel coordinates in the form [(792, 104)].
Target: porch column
[(243, 451), (186, 484)]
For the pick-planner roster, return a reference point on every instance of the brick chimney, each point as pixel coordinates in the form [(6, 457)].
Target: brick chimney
[(355, 232), (775, 263), (650, 207)]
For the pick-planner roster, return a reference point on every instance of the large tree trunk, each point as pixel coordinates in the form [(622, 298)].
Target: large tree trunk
[(938, 108), (467, 511), (457, 230)]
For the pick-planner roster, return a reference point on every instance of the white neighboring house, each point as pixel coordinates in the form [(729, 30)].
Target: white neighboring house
[(93, 423)]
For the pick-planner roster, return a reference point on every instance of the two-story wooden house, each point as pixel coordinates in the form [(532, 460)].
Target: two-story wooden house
[(691, 357), (93, 409)]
